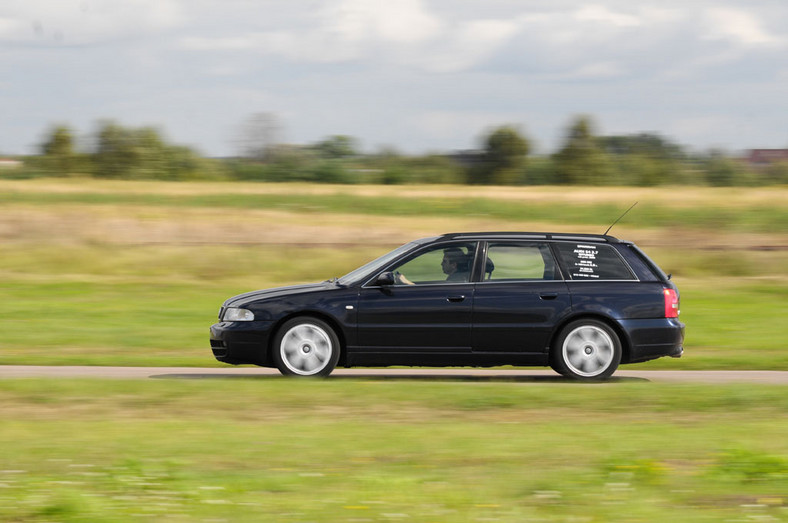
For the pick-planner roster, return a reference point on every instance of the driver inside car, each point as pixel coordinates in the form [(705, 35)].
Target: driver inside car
[(455, 265)]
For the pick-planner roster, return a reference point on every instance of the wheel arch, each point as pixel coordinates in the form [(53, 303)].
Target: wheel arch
[(623, 338), (330, 320)]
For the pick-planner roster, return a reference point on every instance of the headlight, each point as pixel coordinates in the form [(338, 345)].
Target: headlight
[(236, 314)]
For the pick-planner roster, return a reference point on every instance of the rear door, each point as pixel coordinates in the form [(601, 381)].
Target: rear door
[(520, 299)]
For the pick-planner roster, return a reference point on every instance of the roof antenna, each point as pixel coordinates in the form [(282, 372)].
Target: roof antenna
[(619, 218)]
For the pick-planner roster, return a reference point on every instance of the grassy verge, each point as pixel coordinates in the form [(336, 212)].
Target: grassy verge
[(343, 449)]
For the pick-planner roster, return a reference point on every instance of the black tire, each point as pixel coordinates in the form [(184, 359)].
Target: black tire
[(555, 366), (586, 350), (306, 347)]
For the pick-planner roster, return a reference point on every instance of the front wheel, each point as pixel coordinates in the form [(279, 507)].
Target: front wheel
[(586, 350), (306, 347)]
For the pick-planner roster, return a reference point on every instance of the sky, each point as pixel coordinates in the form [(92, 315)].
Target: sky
[(413, 75)]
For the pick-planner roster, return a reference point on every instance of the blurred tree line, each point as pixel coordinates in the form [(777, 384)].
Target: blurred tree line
[(117, 152)]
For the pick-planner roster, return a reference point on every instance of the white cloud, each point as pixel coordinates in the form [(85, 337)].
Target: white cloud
[(597, 70), (738, 26), (232, 43), (402, 33), (601, 14), (437, 72), (454, 125), (403, 21), (462, 47), (651, 15), (9, 27), (87, 22)]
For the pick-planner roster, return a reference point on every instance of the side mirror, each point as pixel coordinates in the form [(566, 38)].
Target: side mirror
[(385, 278)]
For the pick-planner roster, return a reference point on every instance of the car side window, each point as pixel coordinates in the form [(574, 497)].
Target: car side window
[(591, 261), (448, 263), (519, 261)]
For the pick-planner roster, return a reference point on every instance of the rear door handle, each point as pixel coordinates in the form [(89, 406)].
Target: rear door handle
[(549, 295), (456, 299)]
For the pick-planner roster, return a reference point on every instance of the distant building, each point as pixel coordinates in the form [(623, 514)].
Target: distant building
[(766, 157)]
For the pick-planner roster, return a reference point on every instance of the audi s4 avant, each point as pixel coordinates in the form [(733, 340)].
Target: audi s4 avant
[(581, 304)]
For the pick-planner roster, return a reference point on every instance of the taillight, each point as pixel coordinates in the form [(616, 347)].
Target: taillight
[(671, 303)]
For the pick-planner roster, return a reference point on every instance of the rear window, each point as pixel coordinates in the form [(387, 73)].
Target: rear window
[(590, 261), (519, 261), (645, 267)]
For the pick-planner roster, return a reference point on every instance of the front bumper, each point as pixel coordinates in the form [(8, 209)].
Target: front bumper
[(241, 342), (653, 338)]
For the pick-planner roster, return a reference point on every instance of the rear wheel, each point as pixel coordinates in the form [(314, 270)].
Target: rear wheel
[(306, 347), (586, 350)]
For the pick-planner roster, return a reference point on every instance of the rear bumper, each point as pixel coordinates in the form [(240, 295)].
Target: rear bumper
[(241, 342), (653, 338)]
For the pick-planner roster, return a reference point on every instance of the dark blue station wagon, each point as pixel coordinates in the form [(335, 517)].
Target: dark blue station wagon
[(582, 304)]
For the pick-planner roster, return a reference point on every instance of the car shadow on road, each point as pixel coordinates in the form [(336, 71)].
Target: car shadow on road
[(407, 377), (482, 378)]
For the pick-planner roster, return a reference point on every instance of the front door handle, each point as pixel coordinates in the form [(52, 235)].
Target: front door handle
[(456, 299), (549, 295)]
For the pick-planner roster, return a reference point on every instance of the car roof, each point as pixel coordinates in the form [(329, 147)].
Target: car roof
[(597, 238)]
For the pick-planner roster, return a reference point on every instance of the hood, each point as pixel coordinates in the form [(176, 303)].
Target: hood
[(277, 292)]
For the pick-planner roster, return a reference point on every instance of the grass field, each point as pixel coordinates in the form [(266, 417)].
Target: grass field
[(133, 273), (389, 450), (127, 273), (735, 209)]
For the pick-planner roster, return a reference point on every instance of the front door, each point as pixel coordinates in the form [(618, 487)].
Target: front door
[(428, 307)]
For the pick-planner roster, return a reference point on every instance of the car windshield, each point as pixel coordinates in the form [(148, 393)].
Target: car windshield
[(374, 265)]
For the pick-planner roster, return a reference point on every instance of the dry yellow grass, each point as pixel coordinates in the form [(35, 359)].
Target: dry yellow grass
[(676, 197), (127, 223), (135, 225)]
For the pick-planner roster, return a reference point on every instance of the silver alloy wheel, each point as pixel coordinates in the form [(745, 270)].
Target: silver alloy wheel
[(306, 349), (588, 351)]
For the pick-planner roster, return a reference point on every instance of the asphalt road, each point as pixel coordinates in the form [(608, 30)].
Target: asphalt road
[(524, 375)]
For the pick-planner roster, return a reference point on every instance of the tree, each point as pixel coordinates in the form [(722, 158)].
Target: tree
[(141, 153), (503, 159), (581, 160), (58, 150), (644, 159), (646, 144), (777, 173), (114, 156), (259, 136), (337, 147), (723, 171)]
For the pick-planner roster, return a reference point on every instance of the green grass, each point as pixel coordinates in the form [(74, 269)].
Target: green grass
[(272, 449), (82, 284), (130, 273), (152, 305), (731, 324), (758, 216)]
